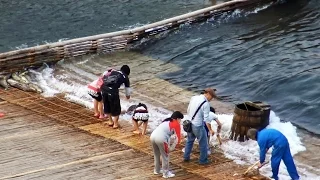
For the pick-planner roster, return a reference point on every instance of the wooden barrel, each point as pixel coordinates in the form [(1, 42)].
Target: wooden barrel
[(249, 115)]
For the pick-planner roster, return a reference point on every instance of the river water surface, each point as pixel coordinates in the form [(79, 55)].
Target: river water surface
[(270, 53)]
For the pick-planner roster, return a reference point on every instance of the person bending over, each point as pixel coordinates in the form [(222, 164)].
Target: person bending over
[(209, 130), (162, 144), (281, 150), (110, 93), (140, 114)]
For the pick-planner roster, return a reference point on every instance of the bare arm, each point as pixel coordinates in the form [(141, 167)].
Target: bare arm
[(210, 129), (219, 126)]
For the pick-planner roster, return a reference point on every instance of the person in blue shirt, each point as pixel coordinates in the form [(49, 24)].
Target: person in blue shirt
[(281, 150)]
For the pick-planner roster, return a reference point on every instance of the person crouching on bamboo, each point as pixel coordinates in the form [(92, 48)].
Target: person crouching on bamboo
[(140, 114), (162, 145), (267, 138)]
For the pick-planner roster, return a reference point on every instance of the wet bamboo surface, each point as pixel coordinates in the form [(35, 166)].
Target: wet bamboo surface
[(51, 138)]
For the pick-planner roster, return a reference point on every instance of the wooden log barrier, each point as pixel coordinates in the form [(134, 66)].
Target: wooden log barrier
[(249, 115)]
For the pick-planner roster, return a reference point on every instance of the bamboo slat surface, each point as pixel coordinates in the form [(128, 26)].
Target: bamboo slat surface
[(51, 138), (36, 146)]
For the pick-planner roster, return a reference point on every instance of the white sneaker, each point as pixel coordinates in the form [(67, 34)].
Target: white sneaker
[(183, 149), (168, 174), (209, 151), (156, 173)]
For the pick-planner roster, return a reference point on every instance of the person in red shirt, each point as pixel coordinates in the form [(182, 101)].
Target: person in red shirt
[(162, 144)]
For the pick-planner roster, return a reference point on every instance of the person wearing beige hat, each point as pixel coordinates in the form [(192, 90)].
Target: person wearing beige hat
[(199, 109)]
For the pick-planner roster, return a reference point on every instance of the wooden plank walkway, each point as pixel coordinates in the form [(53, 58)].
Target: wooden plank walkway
[(51, 138)]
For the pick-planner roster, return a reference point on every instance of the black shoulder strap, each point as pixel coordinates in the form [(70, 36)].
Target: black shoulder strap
[(198, 110)]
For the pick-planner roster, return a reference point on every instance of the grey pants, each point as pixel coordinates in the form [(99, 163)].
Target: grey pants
[(160, 148)]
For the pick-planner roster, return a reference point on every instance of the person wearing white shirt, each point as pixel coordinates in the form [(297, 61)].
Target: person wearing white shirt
[(209, 130), (198, 130)]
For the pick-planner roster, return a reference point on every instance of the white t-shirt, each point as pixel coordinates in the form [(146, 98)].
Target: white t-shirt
[(212, 117)]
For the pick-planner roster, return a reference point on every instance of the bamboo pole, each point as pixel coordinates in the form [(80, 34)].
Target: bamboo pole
[(113, 49), (17, 60), (110, 43), (24, 64), (256, 163), (17, 56), (79, 45)]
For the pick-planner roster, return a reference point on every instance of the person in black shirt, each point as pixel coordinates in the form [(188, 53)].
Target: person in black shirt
[(110, 93)]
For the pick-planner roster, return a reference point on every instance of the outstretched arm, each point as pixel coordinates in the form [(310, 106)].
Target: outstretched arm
[(173, 142), (175, 129), (127, 88), (210, 129), (263, 150), (127, 92), (219, 126)]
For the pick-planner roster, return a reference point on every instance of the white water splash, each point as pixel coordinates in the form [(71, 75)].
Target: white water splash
[(238, 13), (247, 153), (241, 152)]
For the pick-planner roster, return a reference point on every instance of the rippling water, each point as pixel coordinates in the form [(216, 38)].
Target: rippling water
[(269, 54), (272, 55), (31, 22)]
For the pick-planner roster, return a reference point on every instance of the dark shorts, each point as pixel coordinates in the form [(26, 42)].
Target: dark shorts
[(111, 101), (97, 96), (140, 120)]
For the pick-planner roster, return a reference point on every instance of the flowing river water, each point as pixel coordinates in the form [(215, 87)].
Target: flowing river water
[(270, 53)]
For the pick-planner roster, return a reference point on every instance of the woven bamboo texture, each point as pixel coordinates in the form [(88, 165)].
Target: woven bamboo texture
[(51, 138)]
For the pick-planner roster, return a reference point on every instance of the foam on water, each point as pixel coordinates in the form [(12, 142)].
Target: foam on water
[(53, 85), (226, 16), (246, 153)]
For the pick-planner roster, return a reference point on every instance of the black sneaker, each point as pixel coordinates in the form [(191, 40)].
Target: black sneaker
[(186, 160), (205, 163)]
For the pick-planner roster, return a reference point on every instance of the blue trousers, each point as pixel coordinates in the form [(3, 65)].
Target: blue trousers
[(200, 133), (206, 128), (283, 152)]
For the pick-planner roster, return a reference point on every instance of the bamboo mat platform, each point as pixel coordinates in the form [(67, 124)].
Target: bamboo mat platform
[(51, 138)]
